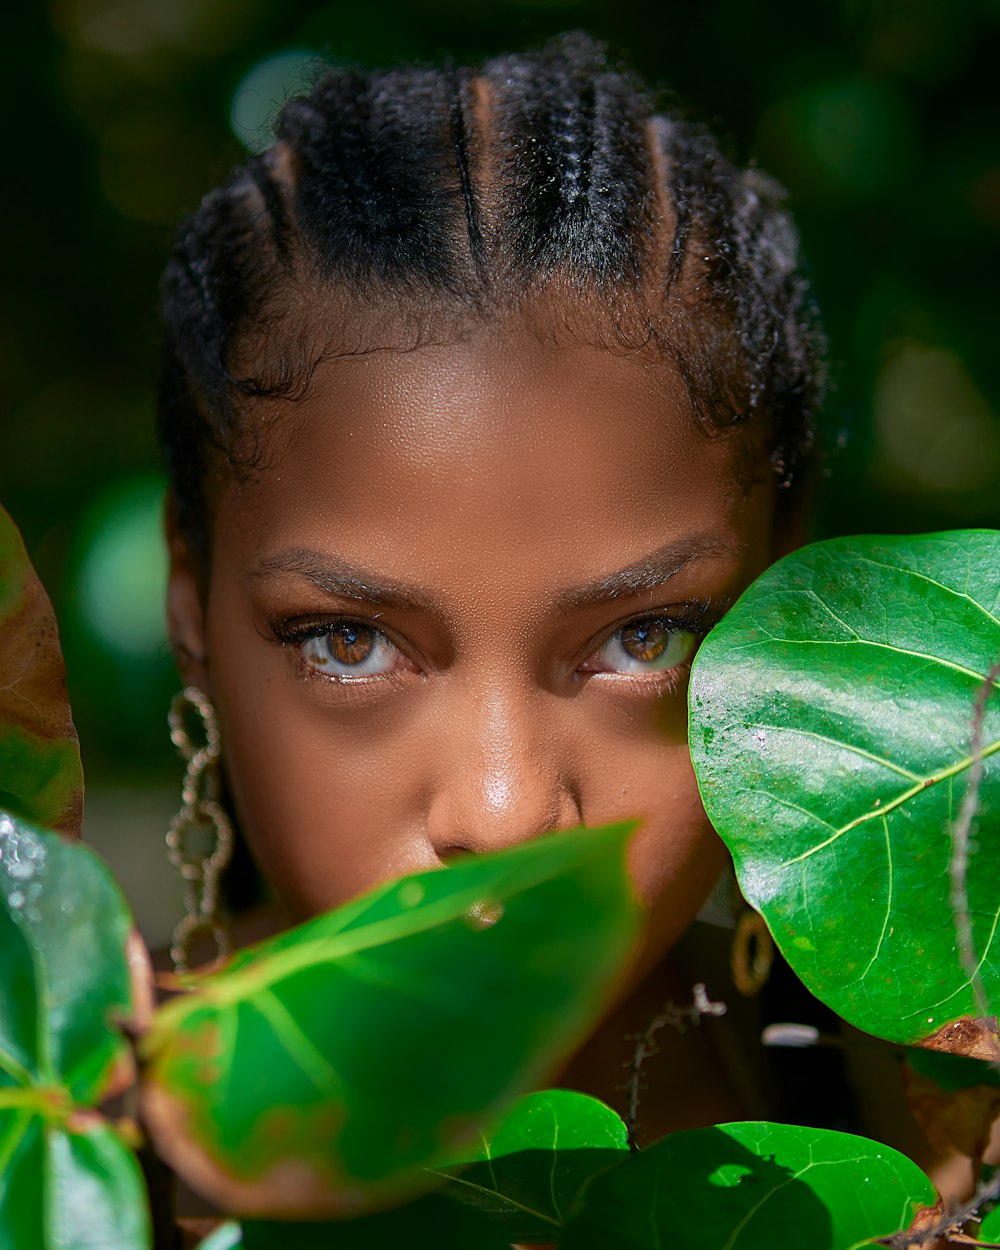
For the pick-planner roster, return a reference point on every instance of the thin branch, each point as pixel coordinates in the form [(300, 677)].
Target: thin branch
[(645, 1046), (950, 1220), (960, 845)]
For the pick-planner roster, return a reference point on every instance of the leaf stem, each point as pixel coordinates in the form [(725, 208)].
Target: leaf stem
[(51, 1102)]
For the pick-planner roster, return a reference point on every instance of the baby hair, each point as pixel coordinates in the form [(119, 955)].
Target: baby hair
[(405, 206)]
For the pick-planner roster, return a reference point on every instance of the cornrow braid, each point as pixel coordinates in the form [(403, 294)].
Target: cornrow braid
[(443, 196)]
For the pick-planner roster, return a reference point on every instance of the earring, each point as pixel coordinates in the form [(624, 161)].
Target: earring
[(200, 837), (752, 953)]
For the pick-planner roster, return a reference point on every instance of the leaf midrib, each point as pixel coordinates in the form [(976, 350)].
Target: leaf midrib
[(231, 988), (883, 809), (980, 678)]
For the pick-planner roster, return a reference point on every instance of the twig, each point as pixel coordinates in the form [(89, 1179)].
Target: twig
[(960, 844), (645, 1046), (987, 1192)]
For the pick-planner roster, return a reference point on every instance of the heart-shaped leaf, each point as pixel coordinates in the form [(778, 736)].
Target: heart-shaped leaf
[(831, 727), (753, 1186), (527, 1171), (41, 779), (318, 1074), (66, 1181)]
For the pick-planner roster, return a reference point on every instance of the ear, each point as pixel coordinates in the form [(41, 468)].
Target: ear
[(185, 603)]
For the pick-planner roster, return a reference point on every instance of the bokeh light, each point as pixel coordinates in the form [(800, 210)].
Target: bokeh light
[(855, 138), (264, 89), (934, 426), (122, 575)]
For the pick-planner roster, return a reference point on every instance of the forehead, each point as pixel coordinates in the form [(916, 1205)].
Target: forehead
[(566, 458)]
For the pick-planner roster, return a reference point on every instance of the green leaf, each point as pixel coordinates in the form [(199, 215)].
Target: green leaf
[(989, 1230), (228, 1236), (68, 1190), (41, 779), (515, 1186), (952, 1072), (429, 1223), (831, 715), (753, 1186), (320, 1073), (66, 1180), (527, 1172), (64, 977)]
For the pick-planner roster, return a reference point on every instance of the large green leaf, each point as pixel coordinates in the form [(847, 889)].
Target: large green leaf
[(527, 1171), (517, 1184), (64, 976), (753, 1186), (41, 778), (68, 1189), (831, 720), (431, 1222), (320, 1072), (66, 1181)]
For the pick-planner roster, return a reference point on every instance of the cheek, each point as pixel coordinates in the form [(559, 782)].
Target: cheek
[(327, 798), (643, 770), (327, 813), (675, 856)]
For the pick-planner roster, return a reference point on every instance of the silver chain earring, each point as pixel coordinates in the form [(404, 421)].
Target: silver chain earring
[(200, 837)]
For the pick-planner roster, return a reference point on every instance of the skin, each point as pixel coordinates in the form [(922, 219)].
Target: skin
[(517, 504)]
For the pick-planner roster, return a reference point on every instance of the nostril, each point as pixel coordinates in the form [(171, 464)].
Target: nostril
[(451, 853)]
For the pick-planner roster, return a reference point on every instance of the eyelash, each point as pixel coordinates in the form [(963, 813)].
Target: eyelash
[(695, 619)]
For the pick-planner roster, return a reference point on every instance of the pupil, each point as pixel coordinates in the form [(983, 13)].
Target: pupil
[(645, 642), (350, 644)]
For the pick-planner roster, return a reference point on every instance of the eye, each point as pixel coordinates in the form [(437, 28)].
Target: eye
[(650, 645), (350, 649)]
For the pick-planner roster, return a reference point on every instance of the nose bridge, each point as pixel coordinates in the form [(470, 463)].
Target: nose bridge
[(501, 779)]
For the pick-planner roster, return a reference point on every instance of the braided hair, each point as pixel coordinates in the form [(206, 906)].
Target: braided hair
[(405, 206)]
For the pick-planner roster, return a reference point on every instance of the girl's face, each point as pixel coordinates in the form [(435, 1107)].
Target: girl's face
[(457, 609)]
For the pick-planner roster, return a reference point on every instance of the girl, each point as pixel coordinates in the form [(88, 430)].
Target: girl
[(485, 393)]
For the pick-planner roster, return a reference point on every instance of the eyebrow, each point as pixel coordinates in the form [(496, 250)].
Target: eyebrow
[(339, 577), (648, 573)]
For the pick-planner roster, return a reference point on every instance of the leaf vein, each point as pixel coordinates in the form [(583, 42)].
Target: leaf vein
[(888, 901), (845, 746), (884, 808), (301, 1049), (495, 1194), (949, 590)]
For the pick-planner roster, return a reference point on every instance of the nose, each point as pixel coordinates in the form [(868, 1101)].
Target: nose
[(503, 777)]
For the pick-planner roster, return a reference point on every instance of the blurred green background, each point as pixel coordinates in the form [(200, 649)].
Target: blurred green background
[(880, 116)]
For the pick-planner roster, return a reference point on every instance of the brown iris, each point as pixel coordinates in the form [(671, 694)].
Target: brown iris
[(645, 641), (350, 644)]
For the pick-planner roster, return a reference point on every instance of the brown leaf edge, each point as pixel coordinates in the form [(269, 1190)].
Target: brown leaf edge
[(33, 701), (294, 1188), (921, 1233), (976, 1037)]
